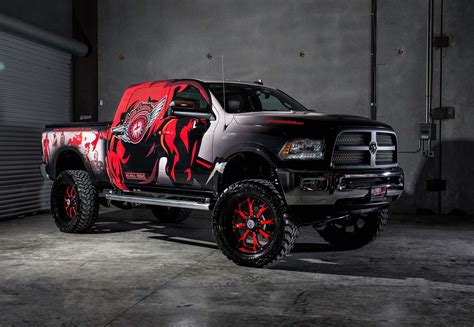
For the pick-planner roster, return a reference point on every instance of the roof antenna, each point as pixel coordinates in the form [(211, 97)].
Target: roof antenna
[(223, 83)]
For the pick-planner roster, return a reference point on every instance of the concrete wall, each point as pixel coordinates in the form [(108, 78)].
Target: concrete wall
[(52, 15), (151, 40), (401, 92)]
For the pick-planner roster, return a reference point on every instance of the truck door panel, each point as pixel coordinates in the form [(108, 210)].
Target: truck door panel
[(149, 148)]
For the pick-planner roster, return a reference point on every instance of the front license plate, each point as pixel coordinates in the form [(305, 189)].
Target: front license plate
[(378, 192)]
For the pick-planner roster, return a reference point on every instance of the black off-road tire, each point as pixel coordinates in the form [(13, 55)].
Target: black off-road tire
[(170, 215), (86, 208), (285, 231), (336, 233)]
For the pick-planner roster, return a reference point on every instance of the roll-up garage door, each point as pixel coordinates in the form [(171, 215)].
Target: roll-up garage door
[(35, 90)]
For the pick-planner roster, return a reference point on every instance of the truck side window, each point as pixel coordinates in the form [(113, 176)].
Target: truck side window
[(192, 93)]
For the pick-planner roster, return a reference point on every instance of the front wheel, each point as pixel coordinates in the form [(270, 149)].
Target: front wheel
[(74, 201), (355, 231), (251, 225)]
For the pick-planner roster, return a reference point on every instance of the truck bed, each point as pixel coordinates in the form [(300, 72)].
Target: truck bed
[(86, 140)]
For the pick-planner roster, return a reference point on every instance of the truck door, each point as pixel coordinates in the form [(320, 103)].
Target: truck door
[(133, 141), (187, 141), (149, 148)]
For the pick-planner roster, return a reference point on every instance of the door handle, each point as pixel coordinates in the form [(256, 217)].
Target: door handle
[(164, 133)]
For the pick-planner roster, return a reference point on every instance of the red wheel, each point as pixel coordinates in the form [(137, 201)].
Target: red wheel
[(70, 201), (74, 201), (253, 223)]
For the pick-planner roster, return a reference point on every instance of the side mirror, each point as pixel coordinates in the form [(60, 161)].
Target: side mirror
[(188, 108)]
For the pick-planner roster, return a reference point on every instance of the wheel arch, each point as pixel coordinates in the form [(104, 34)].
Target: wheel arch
[(69, 158), (248, 162)]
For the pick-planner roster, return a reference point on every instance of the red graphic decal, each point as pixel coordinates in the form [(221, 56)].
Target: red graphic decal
[(150, 151), (96, 140), (152, 176), (168, 138), (203, 163), (138, 121), (76, 140), (46, 148), (115, 160)]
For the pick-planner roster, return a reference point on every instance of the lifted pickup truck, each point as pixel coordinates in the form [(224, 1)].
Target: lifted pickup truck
[(262, 162)]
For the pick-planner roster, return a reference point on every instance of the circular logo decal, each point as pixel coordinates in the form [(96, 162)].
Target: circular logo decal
[(137, 129)]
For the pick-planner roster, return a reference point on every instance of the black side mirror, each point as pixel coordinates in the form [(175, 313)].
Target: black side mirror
[(185, 108)]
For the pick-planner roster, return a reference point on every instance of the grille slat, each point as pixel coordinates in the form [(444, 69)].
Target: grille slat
[(385, 139), (385, 157), (351, 158), (353, 149), (353, 139)]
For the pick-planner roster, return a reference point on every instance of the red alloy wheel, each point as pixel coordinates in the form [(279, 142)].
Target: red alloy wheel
[(70, 201), (252, 224)]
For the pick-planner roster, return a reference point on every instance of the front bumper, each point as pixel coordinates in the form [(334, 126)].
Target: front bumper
[(340, 188)]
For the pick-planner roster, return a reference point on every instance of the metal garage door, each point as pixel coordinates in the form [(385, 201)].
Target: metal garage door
[(35, 89)]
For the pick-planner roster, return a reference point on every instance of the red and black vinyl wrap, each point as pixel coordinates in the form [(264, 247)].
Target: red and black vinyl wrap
[(143, 134)]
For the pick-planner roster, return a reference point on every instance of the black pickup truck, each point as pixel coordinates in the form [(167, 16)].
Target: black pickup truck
[(259, 160)]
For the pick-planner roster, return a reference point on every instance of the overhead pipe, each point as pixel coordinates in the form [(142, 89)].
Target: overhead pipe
[(34, 33)]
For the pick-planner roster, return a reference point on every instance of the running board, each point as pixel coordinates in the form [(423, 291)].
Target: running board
[(187, 204)]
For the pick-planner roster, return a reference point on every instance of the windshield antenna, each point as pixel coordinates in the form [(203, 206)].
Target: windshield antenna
[(223, 83)]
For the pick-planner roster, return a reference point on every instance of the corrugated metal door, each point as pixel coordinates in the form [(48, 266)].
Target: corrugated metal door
[(35, 90)]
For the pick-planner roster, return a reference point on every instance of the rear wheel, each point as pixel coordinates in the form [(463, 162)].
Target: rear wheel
[(356, 231), (74, 201), (170, 215), (251, 224)]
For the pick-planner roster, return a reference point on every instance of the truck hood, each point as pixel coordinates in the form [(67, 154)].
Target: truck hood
[(306, 119)]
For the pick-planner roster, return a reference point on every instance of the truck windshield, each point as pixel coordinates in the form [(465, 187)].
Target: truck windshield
[(241, 98)]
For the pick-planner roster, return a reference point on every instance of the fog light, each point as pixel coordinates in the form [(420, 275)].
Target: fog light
[(314, 184)]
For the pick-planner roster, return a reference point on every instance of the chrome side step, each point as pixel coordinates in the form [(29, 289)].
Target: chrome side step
[(187, 204)]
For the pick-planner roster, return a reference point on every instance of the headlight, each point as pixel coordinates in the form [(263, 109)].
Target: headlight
[(303, 149)]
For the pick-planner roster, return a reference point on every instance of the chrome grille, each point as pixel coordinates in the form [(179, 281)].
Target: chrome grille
[(353, 138), (350, 158), (384, 139), (365, 149)]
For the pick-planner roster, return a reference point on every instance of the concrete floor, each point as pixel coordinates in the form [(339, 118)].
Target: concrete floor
[(133, 271)]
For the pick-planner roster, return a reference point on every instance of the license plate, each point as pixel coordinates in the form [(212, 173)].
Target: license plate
[(378, 192)]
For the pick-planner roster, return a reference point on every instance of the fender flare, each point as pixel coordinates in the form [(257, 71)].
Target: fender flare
[(59, 153), (253, 148)]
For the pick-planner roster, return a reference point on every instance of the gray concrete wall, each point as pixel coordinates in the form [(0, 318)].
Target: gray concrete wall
[(259, 39), (151, 40), (401, 91), (52, 15)]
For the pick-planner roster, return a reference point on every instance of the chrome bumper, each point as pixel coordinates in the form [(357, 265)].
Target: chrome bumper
[(327, 188)]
